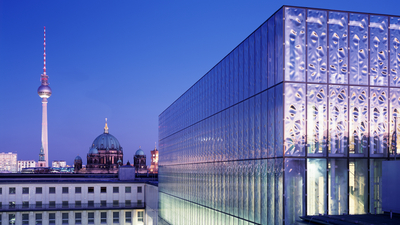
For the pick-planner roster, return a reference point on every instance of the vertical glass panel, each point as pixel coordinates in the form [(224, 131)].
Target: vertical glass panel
[(251, 200), (234, 139), (271, 122), (316, 47), (257, 61), (246, 127), (358, 186), (379, 50), (337, 177), (240, 72), (251, 64), (379, 121), (394, 121), (358, 121), (240, 188), (270, 191), (316, 119), (294, 119), (375, 186), (251, 145), (264, 56), (246, 190), (338, 120), (278, 191), (246, 67), (338, 54), (264, 124), (279, 46), (394, 51), (316, 186), (257, 191), (295, 26), (294, 189), (257, 126), (271, 51), (358, 48), (264, 185), (279, 120), (235, 75)]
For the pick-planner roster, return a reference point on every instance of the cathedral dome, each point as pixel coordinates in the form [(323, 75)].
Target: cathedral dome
[(105, 141), (139, 152), (78, 158)]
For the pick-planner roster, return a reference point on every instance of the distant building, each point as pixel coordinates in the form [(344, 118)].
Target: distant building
[(59, 163), (139, 161), (77, 163), (105, 154), (8, 162), (154, 161), (26, 164)]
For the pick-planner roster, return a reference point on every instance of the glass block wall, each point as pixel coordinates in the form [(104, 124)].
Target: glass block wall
[(296, 120)]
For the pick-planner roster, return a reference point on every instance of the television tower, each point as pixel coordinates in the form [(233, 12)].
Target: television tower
[(44, 92)]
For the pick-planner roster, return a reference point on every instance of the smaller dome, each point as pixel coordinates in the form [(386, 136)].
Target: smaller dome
[(93, 151), (139, 152), (78, 158)]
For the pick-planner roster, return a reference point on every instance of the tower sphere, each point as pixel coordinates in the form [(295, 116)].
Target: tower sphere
[(44, 91)]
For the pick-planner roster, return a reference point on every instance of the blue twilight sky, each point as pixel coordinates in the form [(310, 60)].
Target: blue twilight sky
[(124, 60)]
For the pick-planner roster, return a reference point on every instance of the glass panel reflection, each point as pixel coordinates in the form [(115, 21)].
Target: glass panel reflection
[(337, 177)]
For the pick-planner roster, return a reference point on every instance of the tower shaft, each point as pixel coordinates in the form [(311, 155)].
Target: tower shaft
[(44, 132)]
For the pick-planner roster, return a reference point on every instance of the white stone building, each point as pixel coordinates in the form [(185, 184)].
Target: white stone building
[(74, 199), (8, 162), (26, 164), (59, 163)]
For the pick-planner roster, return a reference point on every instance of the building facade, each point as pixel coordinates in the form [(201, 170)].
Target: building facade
[(26, 164), (296, 120), (8, 162), (59, 163), (154, 161), (73, 199)]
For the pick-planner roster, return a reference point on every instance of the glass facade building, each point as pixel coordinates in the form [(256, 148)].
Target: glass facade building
[(296, 120)]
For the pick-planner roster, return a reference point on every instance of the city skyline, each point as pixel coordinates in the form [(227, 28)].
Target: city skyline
[(126, 62)]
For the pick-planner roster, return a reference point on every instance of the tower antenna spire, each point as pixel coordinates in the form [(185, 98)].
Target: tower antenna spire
[(44, 51)]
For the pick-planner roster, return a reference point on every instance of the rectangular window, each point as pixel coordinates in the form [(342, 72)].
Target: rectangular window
[(11, 219), (78, 190), (90, 203), (25, 190), (65, 204), (38, 190), (1, 191), (52, 204), (90, 190), (38, 217), (11, 205), (128, 217), (65, 218), (103, 203), (127, 189), (25, 219), (103, 189), (140, 216), (11, 191), (52, 190), (115, 217), (25, 204), (139, 189), (127, 202), (103, 217), (115, 189), (115, 203), (38, 204), (139, 202), (65, 190), (78, 204), (78, 218), (91, 218), (52, 218)]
